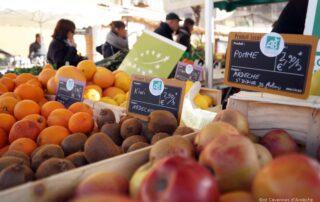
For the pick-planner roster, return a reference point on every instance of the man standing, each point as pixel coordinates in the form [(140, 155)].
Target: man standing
[(171, 25), (37, 49), (184, 34)]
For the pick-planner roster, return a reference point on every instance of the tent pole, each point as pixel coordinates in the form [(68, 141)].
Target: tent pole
[(209, 38)]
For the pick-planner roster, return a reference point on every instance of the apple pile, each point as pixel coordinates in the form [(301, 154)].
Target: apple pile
[(221, 164)]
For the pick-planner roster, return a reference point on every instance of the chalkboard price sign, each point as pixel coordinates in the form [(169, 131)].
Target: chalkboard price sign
[(288, 73), (189, 72), (70, 91), (148, 94)]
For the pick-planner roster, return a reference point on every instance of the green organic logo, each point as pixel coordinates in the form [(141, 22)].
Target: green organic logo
[(157, 85), (273, 43)]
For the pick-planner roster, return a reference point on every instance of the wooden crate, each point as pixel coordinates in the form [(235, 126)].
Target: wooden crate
[(265, 112), (59, 187)]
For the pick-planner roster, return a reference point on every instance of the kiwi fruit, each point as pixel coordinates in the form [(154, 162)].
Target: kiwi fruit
[(73, 143), (183, 130), (44, 153), (53, 166), (137, 145), (131, 127), (158, 137), (123, 118), (131, 140), (113, 131), (18, 154), (78, 159), (173, 145), (11, 160), (14, 175), (105, 116), (100, 146), (162, 121)]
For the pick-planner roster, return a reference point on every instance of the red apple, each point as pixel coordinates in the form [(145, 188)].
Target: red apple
[(103, 198), (212, 131), (238, 196), (179, 179), (235, 118), (103, 183), (279, 142), (289, 176), (233, 159)]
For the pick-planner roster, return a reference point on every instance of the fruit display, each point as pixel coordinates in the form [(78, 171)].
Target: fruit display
[(228, 167), (202, 101)]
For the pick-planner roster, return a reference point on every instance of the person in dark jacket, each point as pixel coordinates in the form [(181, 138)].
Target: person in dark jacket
[(292, 18), (37, 49), (184, 34), (63, 49), (116, 40), (171, 25)]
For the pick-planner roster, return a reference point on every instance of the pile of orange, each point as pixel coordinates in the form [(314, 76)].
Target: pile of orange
[(28, 120)]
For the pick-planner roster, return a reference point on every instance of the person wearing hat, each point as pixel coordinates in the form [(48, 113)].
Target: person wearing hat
[(171, 25), (184, 34)]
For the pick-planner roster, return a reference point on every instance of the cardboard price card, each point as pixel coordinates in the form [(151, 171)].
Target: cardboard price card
[(273, 63), (152, 55), (148, 94), (70, 91), (185, 72)]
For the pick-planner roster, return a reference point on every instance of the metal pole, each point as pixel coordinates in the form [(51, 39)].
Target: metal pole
[(209, 38)]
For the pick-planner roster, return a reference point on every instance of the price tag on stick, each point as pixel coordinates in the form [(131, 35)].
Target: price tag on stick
[(189, 72), (273, 63), (70, 91), (148, 94)]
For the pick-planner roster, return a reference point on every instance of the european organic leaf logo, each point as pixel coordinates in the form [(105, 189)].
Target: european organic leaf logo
[(273, 43)]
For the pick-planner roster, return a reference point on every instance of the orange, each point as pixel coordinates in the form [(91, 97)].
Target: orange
[(92, 92), (3, 89), (59, 117), (26, 107), (112, 92), (10, 94), (10, 75), (47, 66), (81, 122), (3, 138), (38, 119), (103, 77), (69, 72), (4, 150), (48, 107), (25, 145), (6, 122), (88, 68), (9, 83), (80, 107), (52, 135), (52, 86), (7, 104), (24, 128), (27, 91), (122, 81), (23, 78), (45, 75), (35, 82), (42, 101)]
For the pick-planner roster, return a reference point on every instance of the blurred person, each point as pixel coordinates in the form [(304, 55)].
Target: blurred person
[(184, 34), (169, 27), (37, 48), (292, 18), (116, 40), (63, 49)]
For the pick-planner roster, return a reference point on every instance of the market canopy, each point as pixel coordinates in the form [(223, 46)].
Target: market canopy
[(230, 5)]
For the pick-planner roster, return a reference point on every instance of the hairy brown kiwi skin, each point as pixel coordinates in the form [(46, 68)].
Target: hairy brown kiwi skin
[(18, 154), (7, 161), (14, 175), (131, 127), (131, 140), (113, 131), (183, 131), (162, 121), (78, 159), (105, 116), (159, 136), (137, 146), (53, 166), (44, 153), (73, 143)]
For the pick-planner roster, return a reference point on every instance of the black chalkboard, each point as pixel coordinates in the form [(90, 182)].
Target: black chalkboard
[(286, 74), (69, 91), (184, 75), (142, 102)]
